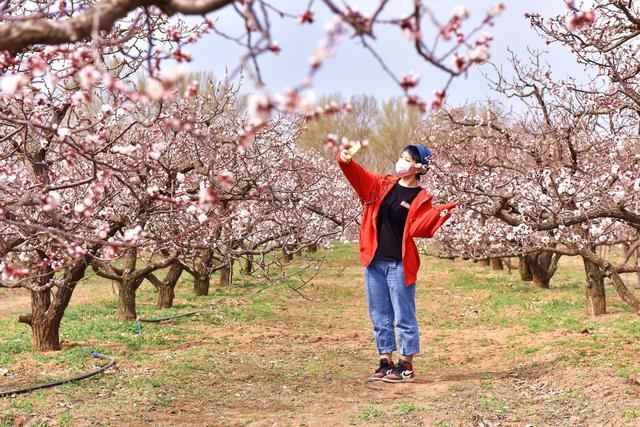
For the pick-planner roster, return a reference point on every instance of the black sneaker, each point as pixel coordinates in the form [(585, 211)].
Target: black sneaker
[(385, 367), (401, 373)]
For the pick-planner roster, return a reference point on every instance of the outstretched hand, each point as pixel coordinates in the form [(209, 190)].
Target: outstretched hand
[(345, 155)]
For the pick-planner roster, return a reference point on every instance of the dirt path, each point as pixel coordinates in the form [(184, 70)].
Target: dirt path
[(487, 360)]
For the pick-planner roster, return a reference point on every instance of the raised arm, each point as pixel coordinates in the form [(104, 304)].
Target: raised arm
[(363, 181)]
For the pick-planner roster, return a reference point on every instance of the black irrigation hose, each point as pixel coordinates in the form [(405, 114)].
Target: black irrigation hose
[(95, 354), (164, 319)]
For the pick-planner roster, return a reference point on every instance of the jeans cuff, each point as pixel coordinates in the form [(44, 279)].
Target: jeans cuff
[(386, 350), (409, 351)]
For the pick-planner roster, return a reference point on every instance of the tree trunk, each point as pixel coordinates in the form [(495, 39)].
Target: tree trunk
[(540, 280), (248, 264), (225, 276), (166, 294), (201, 284), (539, 273), (484, 262), (45, 325), (496, 264), (637, 286), (127, 299), (286, 257), (47, 308), (313, 248), (166, 287), (202, 270), (594, 289), (525, 271), (619, 285), (543, 266)]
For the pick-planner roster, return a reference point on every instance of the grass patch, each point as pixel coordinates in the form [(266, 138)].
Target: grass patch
[(367, 414)]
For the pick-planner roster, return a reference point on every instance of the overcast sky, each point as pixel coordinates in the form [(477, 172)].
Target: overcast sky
[(354, 71)]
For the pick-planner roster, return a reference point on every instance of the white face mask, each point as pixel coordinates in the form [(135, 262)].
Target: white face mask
[(404, 168)]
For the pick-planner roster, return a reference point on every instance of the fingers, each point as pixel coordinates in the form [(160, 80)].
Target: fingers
[(421, 167), (345, 155)]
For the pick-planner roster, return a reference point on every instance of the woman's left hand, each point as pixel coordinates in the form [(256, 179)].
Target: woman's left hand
[(420, 168)]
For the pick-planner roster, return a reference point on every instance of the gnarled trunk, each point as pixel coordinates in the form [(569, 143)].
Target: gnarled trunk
[(225, 276), (44, 320), (48, 307), (637, 285), (286, 256), (201, 272), (484, 262), (594, 288), (127, 299), (496, 264), (524, 270), (201, 284), (166, 287), (543, 266), (248, 264), (166, 295)]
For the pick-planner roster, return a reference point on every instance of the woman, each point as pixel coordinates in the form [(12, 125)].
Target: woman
[(396, 209)]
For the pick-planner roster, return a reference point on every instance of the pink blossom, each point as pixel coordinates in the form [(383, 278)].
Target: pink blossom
[(207, 195), (182, 56), (436, 104), (331, 141), (103, 230), (275, 47), (307, 17), (320, 54), (484, 39), (415, 101), (202, 218), (191, 90), (124, 149), (410, 80), (81, 97), (132, 235), (63, 132), (259, 108), (582, 18), (460, 12), (497, 9), (459, 62), (409, 28), (88, 76), (38, 65), (155, 89), (12, 83), (51, 201), (289, 100), (14, 273), (479, 55)]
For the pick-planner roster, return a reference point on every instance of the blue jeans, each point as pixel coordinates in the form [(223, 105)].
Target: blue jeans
[(392, 302)]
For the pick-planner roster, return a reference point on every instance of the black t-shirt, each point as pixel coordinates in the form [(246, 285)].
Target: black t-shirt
[(391, 219)]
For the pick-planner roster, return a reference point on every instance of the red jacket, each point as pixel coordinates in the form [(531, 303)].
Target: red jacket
[(423, 218)]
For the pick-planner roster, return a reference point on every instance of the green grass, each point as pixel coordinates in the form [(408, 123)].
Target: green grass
[(404, 409), (170, 363), (367, 414)]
